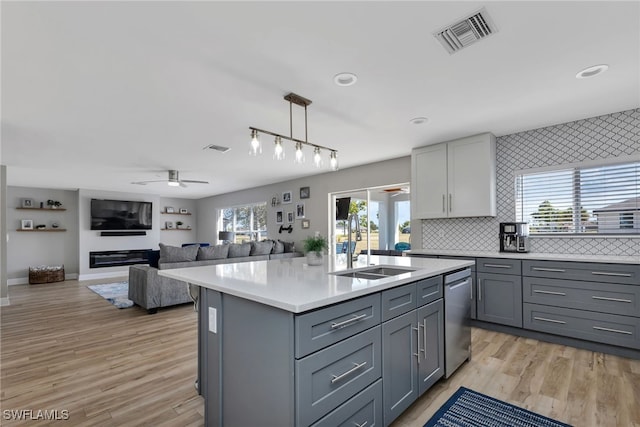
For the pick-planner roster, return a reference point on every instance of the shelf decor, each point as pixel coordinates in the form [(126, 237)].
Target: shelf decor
[(26, 203), (169, 209), (26, 224), (184, 211)]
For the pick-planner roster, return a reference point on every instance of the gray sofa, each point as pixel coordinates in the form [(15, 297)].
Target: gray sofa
[(152, 291)]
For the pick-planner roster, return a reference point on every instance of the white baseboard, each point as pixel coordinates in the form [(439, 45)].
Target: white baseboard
[(94, 276), (4, 301)]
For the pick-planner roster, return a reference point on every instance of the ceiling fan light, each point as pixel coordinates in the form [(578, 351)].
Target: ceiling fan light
[(255, 147)]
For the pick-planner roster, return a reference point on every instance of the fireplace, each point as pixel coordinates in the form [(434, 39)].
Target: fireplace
[(118, 258)]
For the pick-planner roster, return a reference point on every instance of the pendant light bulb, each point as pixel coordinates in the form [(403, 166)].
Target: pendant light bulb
[(333, 160), (256, 146), (317, 157), (278, 149), (299, 154)]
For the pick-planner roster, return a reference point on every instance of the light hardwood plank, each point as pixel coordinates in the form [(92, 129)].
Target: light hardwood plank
[(64, 347)]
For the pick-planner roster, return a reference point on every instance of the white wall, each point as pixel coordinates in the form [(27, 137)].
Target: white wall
[(177, 237), (4, 299), (25, 249), (316, 207)]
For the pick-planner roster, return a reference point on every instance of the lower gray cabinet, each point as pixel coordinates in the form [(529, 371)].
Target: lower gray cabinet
[(499, 298), (412, 357), (364, 409)]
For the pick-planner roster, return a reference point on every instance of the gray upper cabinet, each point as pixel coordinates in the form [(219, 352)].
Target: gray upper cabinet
[(454, 179)]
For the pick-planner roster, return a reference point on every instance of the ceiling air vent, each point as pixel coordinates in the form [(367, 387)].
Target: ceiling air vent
[(466, 31), (216, 148)]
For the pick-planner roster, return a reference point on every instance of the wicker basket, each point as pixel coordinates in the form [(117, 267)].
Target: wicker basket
[(46, 274)]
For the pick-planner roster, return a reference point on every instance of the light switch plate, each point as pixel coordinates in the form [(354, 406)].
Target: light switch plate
[(213, 322)]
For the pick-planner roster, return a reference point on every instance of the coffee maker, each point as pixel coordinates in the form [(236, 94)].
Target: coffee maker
[(514, 237)]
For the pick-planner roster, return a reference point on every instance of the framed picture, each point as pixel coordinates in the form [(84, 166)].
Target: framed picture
[(299, 210), (27, 203), (183, 211), (279, 217), (27, 224), (305, 223), (168, 225), (290, 217), (305, 192), (169, 209), (286, 197)]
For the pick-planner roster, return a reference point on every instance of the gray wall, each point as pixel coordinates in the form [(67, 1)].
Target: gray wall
[(608, 136), (317, 207), (3, 236)]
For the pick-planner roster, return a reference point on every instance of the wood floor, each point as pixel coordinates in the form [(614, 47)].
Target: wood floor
[(64, 348)]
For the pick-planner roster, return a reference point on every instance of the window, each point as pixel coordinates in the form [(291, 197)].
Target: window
[(247, 222), (584, 199)]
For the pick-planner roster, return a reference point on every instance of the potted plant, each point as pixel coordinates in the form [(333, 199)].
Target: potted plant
[(53, 204), (314, 247)]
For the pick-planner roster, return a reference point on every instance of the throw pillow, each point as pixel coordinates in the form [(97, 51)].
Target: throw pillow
[(153, 257), (176, 254), (239, 250), (261, 248), (213, 252), (278, 247), (288, 246)]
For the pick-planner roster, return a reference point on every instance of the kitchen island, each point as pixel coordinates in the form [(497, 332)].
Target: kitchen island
[(282, 343)]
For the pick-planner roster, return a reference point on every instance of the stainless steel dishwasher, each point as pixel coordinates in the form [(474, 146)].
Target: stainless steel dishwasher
[(457, 312)]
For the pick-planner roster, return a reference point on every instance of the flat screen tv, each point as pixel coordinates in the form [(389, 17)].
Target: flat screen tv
[(120, 215), (342, 208)]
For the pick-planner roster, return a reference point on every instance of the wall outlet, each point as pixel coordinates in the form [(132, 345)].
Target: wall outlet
[(213, 320)]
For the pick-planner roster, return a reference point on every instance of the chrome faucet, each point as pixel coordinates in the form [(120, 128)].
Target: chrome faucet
[(351, 252)]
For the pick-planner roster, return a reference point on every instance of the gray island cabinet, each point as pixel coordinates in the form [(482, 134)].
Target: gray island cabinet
[(282, 343)]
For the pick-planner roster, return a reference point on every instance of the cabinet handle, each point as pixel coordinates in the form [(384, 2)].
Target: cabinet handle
[(537, 291), (347, 322), (336, 378), (611, 299), (606, 273), (599, 328), (497, 265), (479, 290), (360, 425), (443, 209), (449, 202), (549, 320), (553, 270), (417, 355)]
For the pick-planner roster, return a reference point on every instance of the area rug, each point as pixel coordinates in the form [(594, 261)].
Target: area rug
[(472, 409), (116, 293)]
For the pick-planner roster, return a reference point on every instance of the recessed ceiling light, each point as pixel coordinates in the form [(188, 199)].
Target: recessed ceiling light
[(592, 71), (345, 79), (419, 121)]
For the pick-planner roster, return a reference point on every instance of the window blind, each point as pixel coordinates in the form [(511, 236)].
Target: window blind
[(602, 199)]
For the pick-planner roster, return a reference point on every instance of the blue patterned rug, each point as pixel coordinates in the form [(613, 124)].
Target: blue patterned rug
[(471, 409), (116, 293)]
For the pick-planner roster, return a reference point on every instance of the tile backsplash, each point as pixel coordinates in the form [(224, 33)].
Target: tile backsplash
[(611, 135)]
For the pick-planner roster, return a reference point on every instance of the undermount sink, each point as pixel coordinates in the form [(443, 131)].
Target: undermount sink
[(375, 273)]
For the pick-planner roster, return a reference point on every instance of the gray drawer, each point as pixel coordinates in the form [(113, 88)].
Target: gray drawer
[(320, 328), (364, 409), (499, 266), (601, 297), (612, 329), (590, 271), (326, 379), (429, 290), (398, 301)]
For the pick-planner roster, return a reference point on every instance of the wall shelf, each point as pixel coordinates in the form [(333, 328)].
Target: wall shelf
[(176, 229), (43, 229), (42, 209), (175, 213)]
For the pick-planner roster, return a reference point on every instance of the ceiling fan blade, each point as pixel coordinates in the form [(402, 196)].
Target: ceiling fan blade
[(182, 184), (192, 181), (147, 182)]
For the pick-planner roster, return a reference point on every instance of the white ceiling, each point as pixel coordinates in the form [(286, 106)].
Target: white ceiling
[(97, 95)]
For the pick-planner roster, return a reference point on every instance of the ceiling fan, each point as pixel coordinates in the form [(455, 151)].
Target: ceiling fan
[(173, 181)]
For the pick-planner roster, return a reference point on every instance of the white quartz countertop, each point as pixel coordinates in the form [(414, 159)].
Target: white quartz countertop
[(292, 285), (530, 255)]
